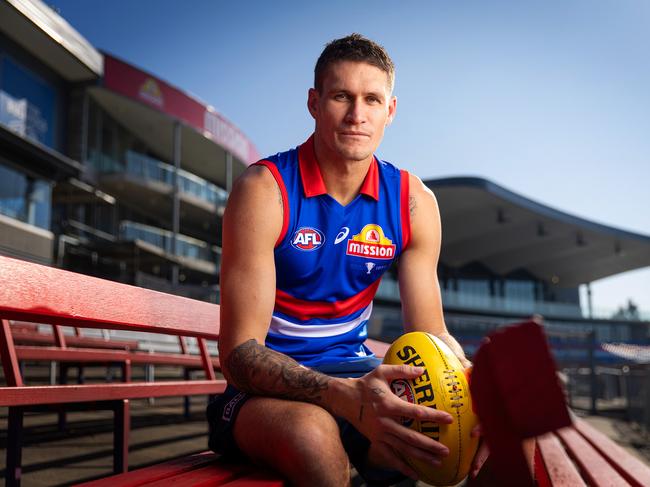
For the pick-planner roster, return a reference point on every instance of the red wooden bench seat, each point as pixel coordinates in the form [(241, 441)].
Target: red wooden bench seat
[(192, 470), (581, 455)]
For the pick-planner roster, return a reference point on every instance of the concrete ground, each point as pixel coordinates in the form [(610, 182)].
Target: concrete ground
[(84, 450)]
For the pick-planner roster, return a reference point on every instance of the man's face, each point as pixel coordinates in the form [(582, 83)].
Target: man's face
[(352, 110)]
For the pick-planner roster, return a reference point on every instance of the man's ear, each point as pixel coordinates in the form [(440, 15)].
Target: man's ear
[(392, 110), (312, 101)]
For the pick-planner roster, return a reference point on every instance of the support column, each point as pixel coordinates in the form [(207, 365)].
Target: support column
[(590, 307), (84, 128), (228, 172), (176, 200), (593, 378)]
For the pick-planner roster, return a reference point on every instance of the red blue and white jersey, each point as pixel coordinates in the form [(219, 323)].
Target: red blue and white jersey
[(329, 258)]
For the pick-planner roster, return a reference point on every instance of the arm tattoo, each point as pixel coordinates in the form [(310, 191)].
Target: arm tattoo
[(255, 369), (412, 205), (280, 197)]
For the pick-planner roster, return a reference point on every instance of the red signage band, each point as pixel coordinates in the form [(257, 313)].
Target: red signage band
[(133, 83)]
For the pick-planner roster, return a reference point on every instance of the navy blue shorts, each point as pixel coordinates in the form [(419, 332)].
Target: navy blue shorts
[(222, 413)]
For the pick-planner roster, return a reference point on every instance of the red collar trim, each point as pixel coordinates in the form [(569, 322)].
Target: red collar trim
[(312, 179)]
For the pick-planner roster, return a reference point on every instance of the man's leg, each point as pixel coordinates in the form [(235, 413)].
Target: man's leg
[(298, 439)]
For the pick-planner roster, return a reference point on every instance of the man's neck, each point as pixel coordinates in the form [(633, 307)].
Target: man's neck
[(343, 178)]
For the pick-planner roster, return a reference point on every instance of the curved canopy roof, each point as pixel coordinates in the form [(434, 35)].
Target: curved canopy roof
[(486, 223)]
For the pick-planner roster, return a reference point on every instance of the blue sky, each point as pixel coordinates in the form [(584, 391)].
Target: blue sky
[(549, 99)]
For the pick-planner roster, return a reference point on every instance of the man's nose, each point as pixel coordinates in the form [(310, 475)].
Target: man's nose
[(356, 113)]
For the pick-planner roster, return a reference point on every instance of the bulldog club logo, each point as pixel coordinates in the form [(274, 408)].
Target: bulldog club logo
[(150, 91), (308, 239), (402, 389), (371, 242)]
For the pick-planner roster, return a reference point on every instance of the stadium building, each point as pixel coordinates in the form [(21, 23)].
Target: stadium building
[(108, 170)]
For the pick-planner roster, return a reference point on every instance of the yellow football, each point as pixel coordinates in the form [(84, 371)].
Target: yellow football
[(442, 386)]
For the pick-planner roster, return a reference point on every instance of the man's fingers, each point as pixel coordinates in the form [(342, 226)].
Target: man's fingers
[(476, 431), (411, 451), (416, 439), (399, 408), (392, 372), (479, 459)]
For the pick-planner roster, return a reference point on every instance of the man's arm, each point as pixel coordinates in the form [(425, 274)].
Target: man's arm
[(418, 278), (251, 226)]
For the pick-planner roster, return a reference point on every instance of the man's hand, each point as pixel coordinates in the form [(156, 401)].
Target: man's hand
[(380, 413)]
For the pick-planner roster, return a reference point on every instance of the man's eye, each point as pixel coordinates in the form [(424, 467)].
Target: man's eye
[(341, 96), (372, 99)]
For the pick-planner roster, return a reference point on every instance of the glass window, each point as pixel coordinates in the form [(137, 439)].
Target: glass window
[(13, 186), (519, 290), (25, 198), (474, 293), (27, 103)]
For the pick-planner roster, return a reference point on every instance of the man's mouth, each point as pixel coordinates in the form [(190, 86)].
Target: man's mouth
[(353, 133)]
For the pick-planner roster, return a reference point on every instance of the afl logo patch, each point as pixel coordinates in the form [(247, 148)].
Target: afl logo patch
[(307, 238), (402, 389)]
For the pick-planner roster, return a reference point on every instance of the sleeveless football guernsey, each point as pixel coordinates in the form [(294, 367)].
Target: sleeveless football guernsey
[(329, 258)]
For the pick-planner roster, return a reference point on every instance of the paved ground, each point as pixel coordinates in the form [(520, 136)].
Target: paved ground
[(84, 449)]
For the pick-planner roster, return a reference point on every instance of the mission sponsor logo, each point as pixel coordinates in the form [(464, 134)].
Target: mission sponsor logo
[(307, 238), (371, 242)]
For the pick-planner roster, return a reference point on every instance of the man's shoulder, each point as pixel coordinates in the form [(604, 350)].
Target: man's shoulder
[(289, 156)]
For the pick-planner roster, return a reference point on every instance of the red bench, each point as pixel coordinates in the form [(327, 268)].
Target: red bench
[(79, 300), (581, 455), (40, 294), (517, 395)]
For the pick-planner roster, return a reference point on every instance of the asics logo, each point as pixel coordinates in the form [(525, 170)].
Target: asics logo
[(341, 236)]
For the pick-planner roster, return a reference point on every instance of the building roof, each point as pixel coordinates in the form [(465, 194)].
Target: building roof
[(50, 38), (507, 232)]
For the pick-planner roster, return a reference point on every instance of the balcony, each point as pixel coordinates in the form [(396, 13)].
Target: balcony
[(147, 167), (389, 290), (148, 183), (190, 252)]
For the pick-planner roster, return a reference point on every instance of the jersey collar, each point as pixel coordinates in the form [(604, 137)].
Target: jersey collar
[(312, 179)]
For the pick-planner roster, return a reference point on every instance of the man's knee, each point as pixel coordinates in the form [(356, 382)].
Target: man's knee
[(315, 443), (299, 439)]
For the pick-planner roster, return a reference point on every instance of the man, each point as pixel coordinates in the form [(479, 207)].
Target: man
[(307, 235)]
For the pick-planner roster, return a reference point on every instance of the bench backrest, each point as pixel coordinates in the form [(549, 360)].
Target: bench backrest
[(41, 294), (36, 293)]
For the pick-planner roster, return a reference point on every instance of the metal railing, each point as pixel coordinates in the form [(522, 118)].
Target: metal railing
[(389, 290), (151, 169), (622, 390), (185, 246)]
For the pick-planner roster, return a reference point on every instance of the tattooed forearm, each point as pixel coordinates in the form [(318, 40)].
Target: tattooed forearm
[(412, 205), (255, 369)]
